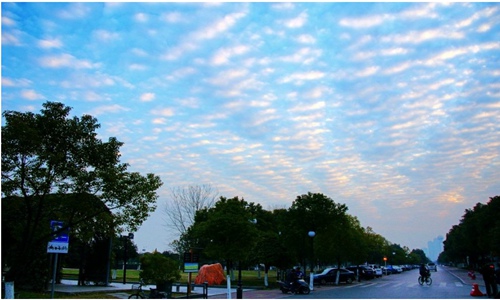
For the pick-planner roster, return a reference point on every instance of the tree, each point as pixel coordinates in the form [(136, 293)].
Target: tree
[(159, 269), (52, 154), (477, 236), (225, 231), (182, 207), (313, 212)]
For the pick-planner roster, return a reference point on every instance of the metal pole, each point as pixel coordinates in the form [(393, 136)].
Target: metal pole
[(54, 276), (239, 290), (109, 260), (124, 260)]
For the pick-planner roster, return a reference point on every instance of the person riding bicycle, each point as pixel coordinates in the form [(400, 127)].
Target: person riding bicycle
[(424, 272)]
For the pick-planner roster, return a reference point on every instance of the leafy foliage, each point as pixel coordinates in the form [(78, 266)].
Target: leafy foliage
[(50, 157), (158, 269), (476, 237)]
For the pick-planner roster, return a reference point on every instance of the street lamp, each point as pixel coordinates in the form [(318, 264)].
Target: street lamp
[(239, 290), (129, 237), (311, 234)]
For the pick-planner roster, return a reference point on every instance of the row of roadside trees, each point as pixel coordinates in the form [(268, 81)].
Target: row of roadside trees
[(476, 239), (243, 234)]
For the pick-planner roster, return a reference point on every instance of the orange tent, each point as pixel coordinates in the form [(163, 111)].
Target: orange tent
[(213, 274)]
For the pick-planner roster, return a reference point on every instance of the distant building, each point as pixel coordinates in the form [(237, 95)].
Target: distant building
[(434, 248)]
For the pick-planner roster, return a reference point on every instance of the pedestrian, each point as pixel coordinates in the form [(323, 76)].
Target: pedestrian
[(488, 272)]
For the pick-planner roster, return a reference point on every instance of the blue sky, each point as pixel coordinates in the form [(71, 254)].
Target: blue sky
[(390, 108)]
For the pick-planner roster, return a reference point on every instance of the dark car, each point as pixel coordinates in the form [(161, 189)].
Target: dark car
[(365, 272), (329, 275)]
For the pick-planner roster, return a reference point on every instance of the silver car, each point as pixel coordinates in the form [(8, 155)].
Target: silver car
[(432, 267)]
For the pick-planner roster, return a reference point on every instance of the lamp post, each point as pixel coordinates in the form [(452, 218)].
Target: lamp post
[(311, 234), (385, 265), (129, 237)]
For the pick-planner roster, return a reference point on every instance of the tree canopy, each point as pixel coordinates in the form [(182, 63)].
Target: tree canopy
[(49, 154), (476, 237)]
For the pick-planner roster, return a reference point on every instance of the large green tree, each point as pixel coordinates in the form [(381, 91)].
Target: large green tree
[(318, 213), (226, 231), (477, 236), (51, 153)]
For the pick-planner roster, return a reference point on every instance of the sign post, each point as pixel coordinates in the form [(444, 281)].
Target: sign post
[(190, 266), (58, 244)]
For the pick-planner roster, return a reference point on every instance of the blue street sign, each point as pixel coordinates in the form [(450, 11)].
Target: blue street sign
[(62, 236)]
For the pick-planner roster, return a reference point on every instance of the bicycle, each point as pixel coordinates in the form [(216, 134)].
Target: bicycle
[(140, 294), (428, 280)]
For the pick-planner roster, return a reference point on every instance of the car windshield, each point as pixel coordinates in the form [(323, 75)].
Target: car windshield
[(325, 271)]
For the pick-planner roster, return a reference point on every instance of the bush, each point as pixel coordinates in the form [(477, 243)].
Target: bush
[(158, 269)]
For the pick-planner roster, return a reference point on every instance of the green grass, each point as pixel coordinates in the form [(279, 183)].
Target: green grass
[(248, 278)]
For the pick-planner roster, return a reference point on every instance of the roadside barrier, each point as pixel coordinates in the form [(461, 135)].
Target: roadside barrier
[(475, 290)]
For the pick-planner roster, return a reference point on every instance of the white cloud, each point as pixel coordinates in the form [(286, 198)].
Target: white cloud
[(8, 21), (146, 97), (165, 112), (306, 39), (300, 76), (66, 61), (10, 39), (75, 11), (31, 95), (365, 22), (297, 22), (206, 32), (105, 35), (9, 82), (369, 71), (141, 17), (106, 109), (50, 43), (172, 17), (137, 67), (223, 55)]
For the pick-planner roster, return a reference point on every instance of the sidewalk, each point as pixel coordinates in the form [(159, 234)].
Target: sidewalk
[(119, 290), (461, 274)]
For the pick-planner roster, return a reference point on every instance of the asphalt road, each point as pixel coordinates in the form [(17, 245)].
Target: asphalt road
[(397, 286)]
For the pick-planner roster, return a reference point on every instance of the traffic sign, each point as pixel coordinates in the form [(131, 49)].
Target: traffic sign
[(60, 240)]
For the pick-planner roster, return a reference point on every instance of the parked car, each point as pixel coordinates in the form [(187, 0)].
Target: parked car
[(377, 269), (405, 267), (329, 275), (390, 269), (432, 267), (398, 268), (365, 271)]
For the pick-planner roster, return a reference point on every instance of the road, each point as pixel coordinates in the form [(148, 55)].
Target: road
[(397, 286)]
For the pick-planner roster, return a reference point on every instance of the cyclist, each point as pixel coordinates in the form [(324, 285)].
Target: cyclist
[(424, 272)]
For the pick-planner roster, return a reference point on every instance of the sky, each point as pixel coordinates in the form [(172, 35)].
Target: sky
[(390, 108)]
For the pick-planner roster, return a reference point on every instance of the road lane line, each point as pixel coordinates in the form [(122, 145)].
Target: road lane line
[(367, 285), (442, 284), (458, 283)]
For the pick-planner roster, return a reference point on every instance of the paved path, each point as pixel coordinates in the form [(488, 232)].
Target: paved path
[(120, 290)]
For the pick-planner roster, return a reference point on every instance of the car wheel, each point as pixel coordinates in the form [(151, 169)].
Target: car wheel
[(349, 280)]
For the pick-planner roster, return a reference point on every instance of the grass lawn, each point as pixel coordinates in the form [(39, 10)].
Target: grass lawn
[(248, 278)]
